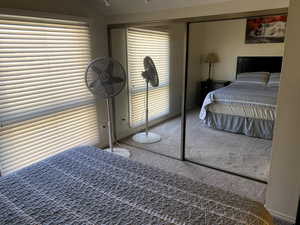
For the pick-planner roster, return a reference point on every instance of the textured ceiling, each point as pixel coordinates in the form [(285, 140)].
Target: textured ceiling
[(137, 6)]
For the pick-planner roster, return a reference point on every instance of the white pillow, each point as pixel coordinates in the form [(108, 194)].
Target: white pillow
[(260, 78), (274, 80)]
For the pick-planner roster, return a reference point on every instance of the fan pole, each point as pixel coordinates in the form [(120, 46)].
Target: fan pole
[(111, 147), (118, 151), (147, 108)]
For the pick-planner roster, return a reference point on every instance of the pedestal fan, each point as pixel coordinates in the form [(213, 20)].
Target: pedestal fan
[(150, 75), (106, 78)]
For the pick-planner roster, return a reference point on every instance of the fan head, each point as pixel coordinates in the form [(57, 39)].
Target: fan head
[(105, 77), (150, 73)]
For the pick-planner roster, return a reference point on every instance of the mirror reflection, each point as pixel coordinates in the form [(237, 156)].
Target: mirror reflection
[(149, 113), (231, 98)]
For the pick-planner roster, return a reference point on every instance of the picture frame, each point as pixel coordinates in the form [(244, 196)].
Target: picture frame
[(266, 29)]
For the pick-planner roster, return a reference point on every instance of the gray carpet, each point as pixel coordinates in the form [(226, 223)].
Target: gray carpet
[(241, 186), (233, 152)]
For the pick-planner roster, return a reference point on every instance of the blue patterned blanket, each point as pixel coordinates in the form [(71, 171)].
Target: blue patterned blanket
[(88, 186)]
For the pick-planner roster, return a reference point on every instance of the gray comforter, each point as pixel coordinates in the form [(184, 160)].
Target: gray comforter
[(249, 94), (88, 186)]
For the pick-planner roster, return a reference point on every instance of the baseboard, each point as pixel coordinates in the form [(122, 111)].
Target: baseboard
[(282, 216)]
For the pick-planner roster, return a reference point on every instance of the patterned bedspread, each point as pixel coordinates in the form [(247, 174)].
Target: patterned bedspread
[(88, 186)]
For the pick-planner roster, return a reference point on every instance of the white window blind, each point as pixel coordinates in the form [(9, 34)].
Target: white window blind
[(45, 106), (141, 43)]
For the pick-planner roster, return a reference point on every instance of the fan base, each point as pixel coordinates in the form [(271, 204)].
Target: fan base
[(119, 151), (143, 138)]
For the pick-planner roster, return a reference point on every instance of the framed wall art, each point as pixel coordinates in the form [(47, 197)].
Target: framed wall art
[(266, 29)]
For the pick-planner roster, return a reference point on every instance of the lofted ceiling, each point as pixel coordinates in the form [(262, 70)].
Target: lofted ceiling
[(138, 6)]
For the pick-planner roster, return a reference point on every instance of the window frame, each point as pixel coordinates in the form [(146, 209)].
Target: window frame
[(32, 117), (143, 89)]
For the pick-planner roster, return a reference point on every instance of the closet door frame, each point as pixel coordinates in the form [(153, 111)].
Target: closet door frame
[(188, 22)]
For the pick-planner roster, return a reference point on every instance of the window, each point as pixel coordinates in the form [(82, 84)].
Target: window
[(141, 43), (45, 106)]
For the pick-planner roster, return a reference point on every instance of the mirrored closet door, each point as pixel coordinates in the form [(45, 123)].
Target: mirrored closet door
[(163, 45), (232, 85)]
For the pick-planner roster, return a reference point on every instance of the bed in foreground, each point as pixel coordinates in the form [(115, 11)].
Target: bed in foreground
[(88, 186)]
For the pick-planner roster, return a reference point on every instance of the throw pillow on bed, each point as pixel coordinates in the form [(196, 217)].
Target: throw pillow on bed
[(253, 78), (274, 80)]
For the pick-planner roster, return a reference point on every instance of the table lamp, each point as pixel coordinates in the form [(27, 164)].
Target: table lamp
[(211, 59)]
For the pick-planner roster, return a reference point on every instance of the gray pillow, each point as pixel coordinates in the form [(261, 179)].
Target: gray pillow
[(260, 78), (274, 80)]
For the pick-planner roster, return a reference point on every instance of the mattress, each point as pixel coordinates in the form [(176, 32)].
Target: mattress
[(86, 185)]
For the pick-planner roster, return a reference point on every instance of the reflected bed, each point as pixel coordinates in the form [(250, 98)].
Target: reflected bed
[(246, 106), (242, 108)]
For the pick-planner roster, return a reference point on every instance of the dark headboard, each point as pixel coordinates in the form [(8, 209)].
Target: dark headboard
[(270, 64)]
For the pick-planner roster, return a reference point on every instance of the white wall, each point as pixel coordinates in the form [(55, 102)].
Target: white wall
[(194, 67), (177, 50), (284, 184), (177, 61), (227, 40)]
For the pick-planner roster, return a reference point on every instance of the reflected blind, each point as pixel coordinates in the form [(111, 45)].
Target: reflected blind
[(141, 43), (45, 106)]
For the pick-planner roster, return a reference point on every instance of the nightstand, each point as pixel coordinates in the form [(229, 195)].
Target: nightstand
[(204, 87)]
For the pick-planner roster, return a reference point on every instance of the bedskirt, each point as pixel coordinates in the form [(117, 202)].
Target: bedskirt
[(86, 185), (252, 127)]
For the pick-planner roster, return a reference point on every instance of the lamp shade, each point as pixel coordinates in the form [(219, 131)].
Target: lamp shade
[(212, 58)]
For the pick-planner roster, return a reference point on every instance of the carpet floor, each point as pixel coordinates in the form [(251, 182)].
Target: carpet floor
[(232, 152), (234, 184)]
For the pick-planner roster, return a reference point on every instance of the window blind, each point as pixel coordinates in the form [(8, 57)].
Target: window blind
[(141, 43), (45, 106)]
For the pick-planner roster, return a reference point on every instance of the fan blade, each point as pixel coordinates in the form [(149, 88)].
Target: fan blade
[(109, 89), (145, 75), (150, 73), (117, 79), (108, 83), (96, 69), (93, 84), (110, 68)]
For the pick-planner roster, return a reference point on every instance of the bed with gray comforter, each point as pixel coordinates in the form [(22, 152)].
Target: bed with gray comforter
[(88, 186), (244, 108)]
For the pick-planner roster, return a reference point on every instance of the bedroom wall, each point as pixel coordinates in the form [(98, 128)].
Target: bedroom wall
[(177, 49), (68, 9), (284, 185)]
